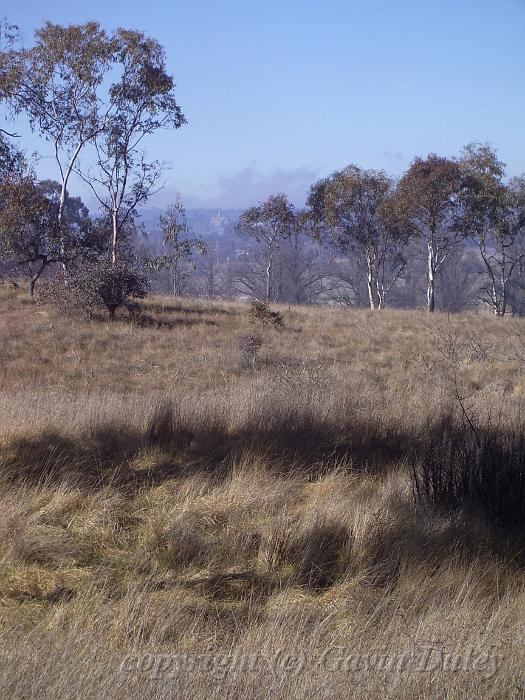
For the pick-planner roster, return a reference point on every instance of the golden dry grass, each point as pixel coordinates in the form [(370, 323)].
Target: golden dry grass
[(175, 525)]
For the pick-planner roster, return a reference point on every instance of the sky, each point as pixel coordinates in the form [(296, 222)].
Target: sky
[(281, 92)]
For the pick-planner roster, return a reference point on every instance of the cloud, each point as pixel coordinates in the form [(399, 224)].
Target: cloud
[(249, 186)]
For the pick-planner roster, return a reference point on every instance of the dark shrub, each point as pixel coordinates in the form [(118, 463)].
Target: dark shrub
[(483, 467), (250, 346), (260, 311), (94, 285)]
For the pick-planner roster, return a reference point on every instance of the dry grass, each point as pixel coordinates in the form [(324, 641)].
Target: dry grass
[(174, 524)]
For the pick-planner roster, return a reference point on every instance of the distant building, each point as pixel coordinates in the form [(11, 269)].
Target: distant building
[(218, 222)]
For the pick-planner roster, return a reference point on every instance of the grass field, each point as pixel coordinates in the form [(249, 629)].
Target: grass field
[(338, 513)]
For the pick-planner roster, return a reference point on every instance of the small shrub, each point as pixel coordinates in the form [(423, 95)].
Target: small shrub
[(260, 312), (96, 285), (57, 293), (250, 346)]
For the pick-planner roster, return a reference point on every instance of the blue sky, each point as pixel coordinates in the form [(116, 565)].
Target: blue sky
[(279, 93)]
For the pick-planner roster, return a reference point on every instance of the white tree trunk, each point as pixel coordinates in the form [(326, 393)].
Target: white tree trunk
[(114, 237), (370, 280), (269, 278), (430, 280)]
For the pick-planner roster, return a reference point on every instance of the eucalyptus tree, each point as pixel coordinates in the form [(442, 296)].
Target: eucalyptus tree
[(139, 101), (427, 202), (96, 94), (30, 234), (55, 84), (301, 262), (493, 217), (353, 208), (268, 224)]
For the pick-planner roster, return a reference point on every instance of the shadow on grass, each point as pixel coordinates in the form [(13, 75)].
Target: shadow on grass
[(144, 320), (119, 454), (321, 555), (451, 466), (175, 308)]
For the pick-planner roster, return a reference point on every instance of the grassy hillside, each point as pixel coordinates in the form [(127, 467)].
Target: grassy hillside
[(336, 514)]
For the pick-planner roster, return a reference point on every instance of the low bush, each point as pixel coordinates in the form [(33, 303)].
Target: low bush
[(250, 346), (95, 285), (260, 311)]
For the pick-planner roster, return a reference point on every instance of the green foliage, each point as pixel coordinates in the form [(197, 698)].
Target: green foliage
[(269, 224), (272, 221), (12, 161), (353, 209), (428, 192), (75, 212), (260, 311), (96, 285), (110, 286), (493, 216), (31, 235), (352, 203)]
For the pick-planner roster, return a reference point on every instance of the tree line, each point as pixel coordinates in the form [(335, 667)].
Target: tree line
[(449, 234), (450, 225), (441, 209)]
